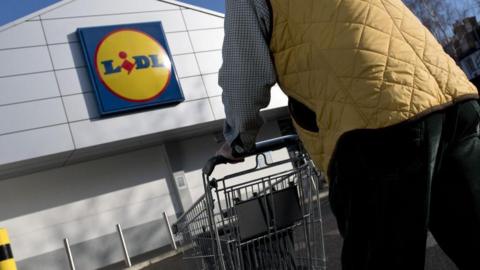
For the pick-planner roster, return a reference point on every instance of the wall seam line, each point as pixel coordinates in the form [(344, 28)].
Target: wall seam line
[(78, 42), (31, 129), (84, 67), (59, 93), (198, 65), (91, 91), (111, 14)]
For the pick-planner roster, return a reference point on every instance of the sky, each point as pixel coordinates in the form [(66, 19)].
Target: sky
[(216, 5), (11, 10), (472, 6)]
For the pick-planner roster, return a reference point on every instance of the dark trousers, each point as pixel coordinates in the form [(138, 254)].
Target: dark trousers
[(389, 186)]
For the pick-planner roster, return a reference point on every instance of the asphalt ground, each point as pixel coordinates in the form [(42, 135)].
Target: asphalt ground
[(435, 258)]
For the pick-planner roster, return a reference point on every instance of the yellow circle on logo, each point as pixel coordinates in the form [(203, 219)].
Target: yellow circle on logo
[(133, 65)]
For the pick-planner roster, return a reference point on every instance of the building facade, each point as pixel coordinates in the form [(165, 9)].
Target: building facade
[(465, 47), (65, 171)]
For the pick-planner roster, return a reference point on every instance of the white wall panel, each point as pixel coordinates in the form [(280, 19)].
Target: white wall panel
[(193, 88), (35, 143), (64, 30), (277, 98), (22, 35), (198, 20), (81, 106), (30, 115), (210, 62), (207, 40), (74, 81), (34, 165), (28, 87), (105, 7), (93, 226), (179, 43), (217, 107), (186, 65), (96, 216), (89, 133), (68, 55), (25, 60), (84, 201), (84, 106), (211, 83), (190, 155), (106, 150)]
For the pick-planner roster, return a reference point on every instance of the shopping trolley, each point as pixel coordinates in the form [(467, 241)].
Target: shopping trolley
[(269, 222)]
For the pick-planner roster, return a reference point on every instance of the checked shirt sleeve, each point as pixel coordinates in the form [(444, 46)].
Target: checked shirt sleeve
[(248, 72)]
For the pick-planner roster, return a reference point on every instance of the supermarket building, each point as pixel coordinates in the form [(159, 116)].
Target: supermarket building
[(66, 170)]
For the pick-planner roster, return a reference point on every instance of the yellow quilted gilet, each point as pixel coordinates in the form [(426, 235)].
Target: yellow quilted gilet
[(360, 64)]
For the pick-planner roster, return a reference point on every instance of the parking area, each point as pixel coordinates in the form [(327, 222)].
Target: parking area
[(435, 258)]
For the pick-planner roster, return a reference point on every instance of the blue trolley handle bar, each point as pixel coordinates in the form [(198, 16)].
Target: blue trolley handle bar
[(260, 147)]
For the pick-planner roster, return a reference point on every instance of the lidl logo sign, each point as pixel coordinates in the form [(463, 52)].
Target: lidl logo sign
[(130, 66), (133, 65)]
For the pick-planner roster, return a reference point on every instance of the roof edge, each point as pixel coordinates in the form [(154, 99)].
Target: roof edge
[(204, 10)]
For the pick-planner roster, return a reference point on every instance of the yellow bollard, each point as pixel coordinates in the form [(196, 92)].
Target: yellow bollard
[(6, 256)]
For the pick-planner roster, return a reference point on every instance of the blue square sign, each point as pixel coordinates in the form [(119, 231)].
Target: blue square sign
[(130, 66)]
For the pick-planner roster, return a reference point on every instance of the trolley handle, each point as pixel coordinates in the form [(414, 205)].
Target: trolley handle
[(260, 147)]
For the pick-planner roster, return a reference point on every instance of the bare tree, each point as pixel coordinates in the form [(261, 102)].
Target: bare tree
[(476, 4), (435, 15), (440, 15), (465, 8)]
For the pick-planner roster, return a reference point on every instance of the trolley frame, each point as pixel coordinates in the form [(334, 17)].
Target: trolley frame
[(270, 222)]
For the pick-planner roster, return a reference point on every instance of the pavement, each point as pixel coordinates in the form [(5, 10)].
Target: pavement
[(435, 258)]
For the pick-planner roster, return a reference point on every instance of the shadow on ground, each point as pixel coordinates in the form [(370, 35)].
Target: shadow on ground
[(435, 258)]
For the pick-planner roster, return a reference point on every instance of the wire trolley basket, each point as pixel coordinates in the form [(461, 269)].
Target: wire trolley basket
[(268, 222)]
